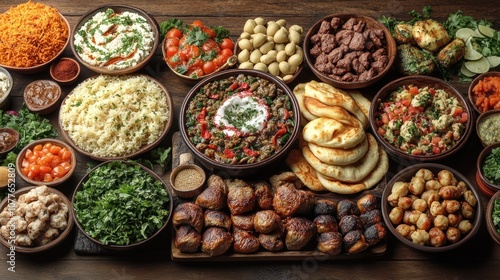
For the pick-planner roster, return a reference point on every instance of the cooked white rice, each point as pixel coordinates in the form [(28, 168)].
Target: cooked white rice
[(113, 116)]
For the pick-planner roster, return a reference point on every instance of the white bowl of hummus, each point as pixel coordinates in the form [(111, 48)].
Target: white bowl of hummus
[(115, 39)]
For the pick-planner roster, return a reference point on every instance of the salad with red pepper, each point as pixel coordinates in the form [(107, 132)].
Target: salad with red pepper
[(195, 49), (421, 121)]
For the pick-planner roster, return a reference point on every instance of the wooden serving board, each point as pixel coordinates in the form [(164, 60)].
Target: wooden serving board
[(179, 147)]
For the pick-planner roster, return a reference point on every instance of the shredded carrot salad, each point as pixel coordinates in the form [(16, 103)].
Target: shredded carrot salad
[(31, 34), (487, 94)]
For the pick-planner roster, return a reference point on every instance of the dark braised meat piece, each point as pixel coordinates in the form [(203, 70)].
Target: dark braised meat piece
[(272, 241), (285, 178), (346, 207), (299, 231), (307, 203), (325, 207), (245, 242), (355, 242), (214, 218), (187, 240), (266, 221), (243, 221), (264, 195), (371, 217), (326, 223), (288, 201), (375, 233), (241, 197), (188, 214), (330, 243), (349, 223), (215, 195), (216, 241)]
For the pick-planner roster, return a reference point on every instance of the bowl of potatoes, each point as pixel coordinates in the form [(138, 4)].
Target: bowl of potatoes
[(271, 46)]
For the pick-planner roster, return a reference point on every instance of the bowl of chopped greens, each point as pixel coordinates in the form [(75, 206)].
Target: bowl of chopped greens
[(488, 167), (493, 217), (121, 205)]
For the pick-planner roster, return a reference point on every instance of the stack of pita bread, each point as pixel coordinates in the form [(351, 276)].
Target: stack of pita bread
[(335, 152)]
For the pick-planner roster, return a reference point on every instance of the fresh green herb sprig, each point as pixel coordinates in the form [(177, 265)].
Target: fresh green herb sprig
[(491, 166), (496, 215)]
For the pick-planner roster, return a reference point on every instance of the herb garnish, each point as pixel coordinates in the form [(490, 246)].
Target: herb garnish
[(491, 166)]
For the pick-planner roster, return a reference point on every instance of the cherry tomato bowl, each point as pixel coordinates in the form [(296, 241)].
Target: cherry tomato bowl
[(415, 132), (47, 162)]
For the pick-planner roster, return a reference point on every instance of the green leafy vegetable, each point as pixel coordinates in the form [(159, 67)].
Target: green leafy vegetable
[(491, 166), (196, 37), (391, 22), (121, 204), (169, 24), (496, 215)]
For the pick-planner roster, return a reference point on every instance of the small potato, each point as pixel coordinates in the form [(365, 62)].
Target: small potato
[(245, 35), (272, 28), (260, 66), (258, 40), (295, 61), (423, 222), (243, 56), (285, 67), (260, 20), (281, 36), (294, 36), (266, 47), (419, 204), (273, 68), (405, 202), (290, 48), (255, 56), (281, 56), (396, 215), (281, 22), (470, 198), (450, 205), (437, 238), (260, 29), (453, 235), (420, 237), (417, 185), (245, 44), (279, 47), (267, 58), (425, 173), (467, 210), (454, 219), (465, 226), (406, 230), (246, 65), (249, 26), (400, 188), (441, 222), (287, 78), (297, 28), (437, 209), (446, 178)]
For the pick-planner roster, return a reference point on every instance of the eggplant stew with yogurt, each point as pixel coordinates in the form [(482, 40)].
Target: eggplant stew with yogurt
[(239, 120)]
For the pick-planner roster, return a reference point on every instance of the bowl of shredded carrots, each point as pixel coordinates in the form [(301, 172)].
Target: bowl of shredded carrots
[(33, 35), (484, 92)]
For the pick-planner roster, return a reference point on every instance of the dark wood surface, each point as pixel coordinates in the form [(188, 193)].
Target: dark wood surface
[(479, 259)]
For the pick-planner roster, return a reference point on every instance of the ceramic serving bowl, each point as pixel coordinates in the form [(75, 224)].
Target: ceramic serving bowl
[(42, 96), (406, 158), (416, 227), (6, 83), (107, 67), (54, 172), (323, 68), (485, 127), (187, 180), (128, 190), (242, 161), (473, 92), (64, 227), (485, 183), (65, 76), (9, 138), (493, 229)]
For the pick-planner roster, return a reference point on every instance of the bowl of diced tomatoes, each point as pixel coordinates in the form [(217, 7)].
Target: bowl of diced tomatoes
[(46, 161), (420, 119), (195, 50)]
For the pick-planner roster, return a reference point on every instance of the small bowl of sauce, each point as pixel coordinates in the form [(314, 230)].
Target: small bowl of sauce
[(488, 127), (187, 180), (42, 96), (8, 140)]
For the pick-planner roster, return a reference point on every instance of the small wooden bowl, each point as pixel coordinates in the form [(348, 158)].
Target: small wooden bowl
[(390, 46), (192, 182), (479, 163), (42, 248), (58, 79), (479, 121), (489, 218), (21, 155), (42, 96), (472, 96), (4, 96), (10, 132)]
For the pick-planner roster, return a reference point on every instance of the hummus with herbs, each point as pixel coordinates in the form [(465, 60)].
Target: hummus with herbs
[(114, 40), (489, 129)]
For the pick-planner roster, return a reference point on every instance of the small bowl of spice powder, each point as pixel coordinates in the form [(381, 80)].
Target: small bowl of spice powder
[(65, 71), (187, 180)]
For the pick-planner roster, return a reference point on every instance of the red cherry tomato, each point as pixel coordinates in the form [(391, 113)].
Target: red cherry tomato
[(227, 43), (174, 33), (209, 67)]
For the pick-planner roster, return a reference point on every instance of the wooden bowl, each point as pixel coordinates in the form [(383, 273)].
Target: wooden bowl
[(127, 183), (4, 95), (404, 157), (43, 66), (472, 95), (62, 80), (479, 166), (492, 229), (42, 96), (141, 150), (389, 45), (42, 142), (240, 168), (52, 244), (406, 175), (104, 69), (9, 138), (192, 181)]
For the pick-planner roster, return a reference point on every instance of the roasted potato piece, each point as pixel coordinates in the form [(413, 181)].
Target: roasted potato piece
[(411, 60), (403, 33), (451, 53), (430, 35)]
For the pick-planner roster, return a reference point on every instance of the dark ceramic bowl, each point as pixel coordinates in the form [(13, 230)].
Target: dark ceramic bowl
[(495, 137), (241, 169), (42, 96), (406, 175), (493, 231), (389, 45), (403, 157), (472, 96), (479, 166), (11, 134)]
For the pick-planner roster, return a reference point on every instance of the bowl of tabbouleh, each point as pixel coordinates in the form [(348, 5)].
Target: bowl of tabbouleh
[(488, 167)]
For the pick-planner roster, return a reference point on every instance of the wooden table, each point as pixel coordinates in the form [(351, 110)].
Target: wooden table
[(479, 259)]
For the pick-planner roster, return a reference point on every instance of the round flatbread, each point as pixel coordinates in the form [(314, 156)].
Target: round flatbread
[(366, 183), (298, 91), (338, 156), (331, 133), (347, 173), (304, 171), (320, 109), (363, 102), (334, 97)]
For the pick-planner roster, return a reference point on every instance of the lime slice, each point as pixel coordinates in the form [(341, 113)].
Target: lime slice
[(465, 33), (493, 60), (486, 30), (478, 66), (478, 33), (466, 71), (470, 52)]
